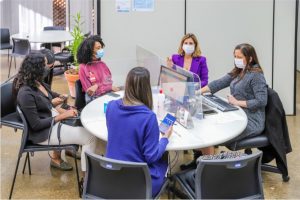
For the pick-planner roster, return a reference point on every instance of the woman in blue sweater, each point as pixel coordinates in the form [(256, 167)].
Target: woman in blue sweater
[(133, 133)]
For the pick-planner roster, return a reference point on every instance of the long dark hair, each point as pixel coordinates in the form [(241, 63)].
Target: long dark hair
[(31, 71), (138, 88), (251, 58), (86, 48)]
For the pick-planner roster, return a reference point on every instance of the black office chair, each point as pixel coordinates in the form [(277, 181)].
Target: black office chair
[(65, 57), (5, 41), (9, 115), (274, 141), (232, 178), (53, 28), (80, 96), (114, 179), (21, 48), (27, 146)]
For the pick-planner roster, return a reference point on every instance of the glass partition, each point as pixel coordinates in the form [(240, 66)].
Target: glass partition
[(146, 58), (182, 95)]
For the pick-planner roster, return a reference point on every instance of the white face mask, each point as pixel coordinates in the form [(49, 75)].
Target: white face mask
[(188, 49), (239, 63)]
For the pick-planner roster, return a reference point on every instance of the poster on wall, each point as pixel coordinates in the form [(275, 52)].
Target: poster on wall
[(123, 5), (143, 5)]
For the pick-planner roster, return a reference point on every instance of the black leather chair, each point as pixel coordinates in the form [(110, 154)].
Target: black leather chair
[(80, 96), (230, 178), (53, 28), (65, 57), (27, 146), (260, 141), (114, 179), (9, 114), (274, 141), (5, 41)]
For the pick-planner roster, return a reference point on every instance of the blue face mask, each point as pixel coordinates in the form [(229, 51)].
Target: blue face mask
[(100, 53)]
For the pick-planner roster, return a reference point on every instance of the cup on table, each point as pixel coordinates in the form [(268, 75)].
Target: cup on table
[(105, 107)]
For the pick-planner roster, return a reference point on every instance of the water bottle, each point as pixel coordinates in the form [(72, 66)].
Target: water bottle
[(160, 104)]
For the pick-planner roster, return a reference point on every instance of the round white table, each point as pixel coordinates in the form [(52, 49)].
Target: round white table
[(45, 36), (212, 130)]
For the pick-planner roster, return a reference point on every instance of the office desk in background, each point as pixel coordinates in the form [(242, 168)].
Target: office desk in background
[(212, 130), (45, 36)]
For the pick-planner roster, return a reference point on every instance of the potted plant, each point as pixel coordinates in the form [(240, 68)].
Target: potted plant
[(72, 74)]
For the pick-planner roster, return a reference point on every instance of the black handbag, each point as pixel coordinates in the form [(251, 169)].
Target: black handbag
[(73, 121)]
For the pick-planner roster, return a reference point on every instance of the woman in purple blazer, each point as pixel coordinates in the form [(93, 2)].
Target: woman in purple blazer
[(189, 57)]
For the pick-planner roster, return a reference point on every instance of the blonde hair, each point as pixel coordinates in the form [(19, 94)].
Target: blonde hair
[(197, 51)]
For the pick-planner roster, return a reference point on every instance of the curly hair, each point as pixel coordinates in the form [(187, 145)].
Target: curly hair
[(30, 72), (86, 48)]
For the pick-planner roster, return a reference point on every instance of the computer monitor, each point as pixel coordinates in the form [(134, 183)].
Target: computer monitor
[(175, 84), (180, 94), (169, 75), (184, 72)]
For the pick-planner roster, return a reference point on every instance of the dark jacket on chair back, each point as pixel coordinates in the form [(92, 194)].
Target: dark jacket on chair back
[(37, 111), (277, 132)]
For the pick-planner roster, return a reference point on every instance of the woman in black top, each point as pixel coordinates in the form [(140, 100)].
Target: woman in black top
[(35, 100)]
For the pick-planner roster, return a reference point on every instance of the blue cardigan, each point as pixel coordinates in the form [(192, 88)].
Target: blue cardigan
[(133, 135)]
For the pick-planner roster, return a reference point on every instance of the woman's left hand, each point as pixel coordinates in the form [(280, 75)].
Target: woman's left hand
[(169, 62), (232, 100), (115, 89)]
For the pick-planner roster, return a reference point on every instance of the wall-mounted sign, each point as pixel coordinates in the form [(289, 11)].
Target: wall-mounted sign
[(143, 5), (123, 5)]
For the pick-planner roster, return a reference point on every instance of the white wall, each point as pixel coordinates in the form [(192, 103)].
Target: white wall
[(26, 16), (221, 25), (159, 31), (5, 7), (85, 8), (17, 15), (284, 48)]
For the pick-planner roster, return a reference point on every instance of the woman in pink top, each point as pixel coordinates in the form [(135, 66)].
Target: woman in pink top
[(94, 74)]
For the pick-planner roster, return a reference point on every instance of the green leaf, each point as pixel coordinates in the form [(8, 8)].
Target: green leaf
[(77, 36)]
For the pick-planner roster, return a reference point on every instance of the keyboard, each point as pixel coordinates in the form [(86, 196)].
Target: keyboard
[(218, 103), (207, 110)]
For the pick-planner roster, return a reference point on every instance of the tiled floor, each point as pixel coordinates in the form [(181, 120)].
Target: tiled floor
[(51, 183)]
